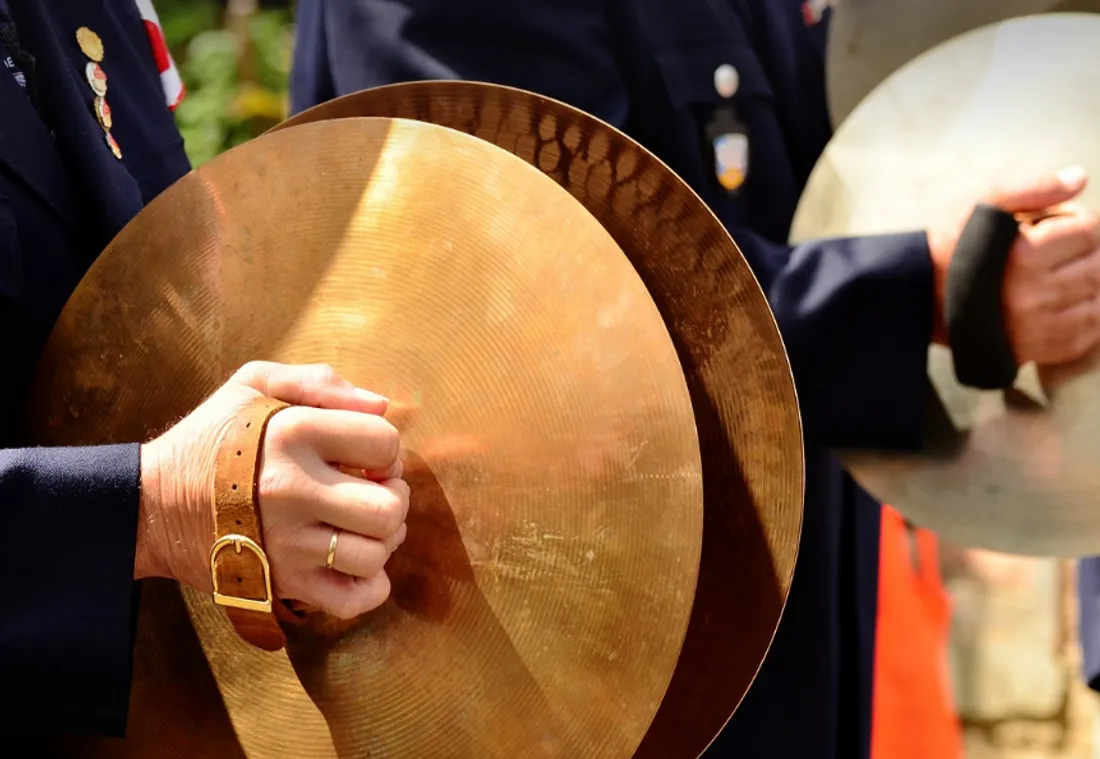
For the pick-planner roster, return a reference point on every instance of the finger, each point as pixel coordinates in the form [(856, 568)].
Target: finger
[(347, 438), (1073, 283), (1040, 193), (317, 385), (1080, 327), (394, 472), (372, 509), (342, 595), (354, 555), (1062, 240)]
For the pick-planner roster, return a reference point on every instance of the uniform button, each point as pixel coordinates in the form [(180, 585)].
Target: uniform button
[(726, 80)]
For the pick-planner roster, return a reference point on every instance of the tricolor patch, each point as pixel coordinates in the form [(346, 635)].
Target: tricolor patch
[(170, 79)]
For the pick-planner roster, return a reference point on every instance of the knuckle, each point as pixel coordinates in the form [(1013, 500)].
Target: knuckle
[(377, 593), (389, 510), (275, 481), (252, 370), (326, 374), (366, 558), (387, 438), (288, 426)]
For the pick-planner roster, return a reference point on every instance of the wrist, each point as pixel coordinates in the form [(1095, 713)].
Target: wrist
[(940, 249), (149, 557)]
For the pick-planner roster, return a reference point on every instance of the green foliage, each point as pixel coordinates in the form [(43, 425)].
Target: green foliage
[(236, 78)]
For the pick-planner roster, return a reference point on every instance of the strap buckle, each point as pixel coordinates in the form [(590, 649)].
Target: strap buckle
[(248, 604)]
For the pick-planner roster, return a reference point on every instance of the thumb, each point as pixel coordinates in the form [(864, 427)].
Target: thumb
[(316, 385), (1037, 195)]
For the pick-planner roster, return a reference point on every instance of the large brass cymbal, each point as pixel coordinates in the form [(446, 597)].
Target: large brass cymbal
[(543, 593), (870, 39), (1015, 472), (740, 380)]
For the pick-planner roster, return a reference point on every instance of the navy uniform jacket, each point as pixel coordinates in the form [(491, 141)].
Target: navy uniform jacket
[(856, 314), (68, 517)]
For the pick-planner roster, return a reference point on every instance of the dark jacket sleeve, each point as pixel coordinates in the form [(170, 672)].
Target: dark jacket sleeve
[(856, 318), (68, 531)]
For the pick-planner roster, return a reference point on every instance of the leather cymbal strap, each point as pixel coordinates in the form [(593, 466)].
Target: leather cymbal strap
[(238, 565)]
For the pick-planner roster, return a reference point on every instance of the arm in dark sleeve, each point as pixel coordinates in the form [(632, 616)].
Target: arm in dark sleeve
[(68, 532), (856, 317)]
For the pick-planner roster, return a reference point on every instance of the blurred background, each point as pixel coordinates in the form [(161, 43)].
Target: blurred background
[(1014, 659), (234, 56)]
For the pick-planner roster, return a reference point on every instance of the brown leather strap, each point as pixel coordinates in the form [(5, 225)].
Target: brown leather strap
[(238, 564)]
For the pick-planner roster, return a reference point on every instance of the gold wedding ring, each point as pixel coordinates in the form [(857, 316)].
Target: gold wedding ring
[(331, 558)]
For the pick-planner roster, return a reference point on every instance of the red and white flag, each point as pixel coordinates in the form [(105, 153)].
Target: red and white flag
[(169, 75)]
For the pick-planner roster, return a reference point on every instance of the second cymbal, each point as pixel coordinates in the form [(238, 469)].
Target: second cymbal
[(1009, 103), (740, 381)]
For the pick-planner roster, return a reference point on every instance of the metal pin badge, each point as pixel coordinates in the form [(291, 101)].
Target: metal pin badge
[(114, 146), (727, 135), (90, 44), (726, 80), (97, 78), (103, 113)]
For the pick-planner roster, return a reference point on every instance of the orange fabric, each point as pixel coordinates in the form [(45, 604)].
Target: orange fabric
[(914, 712)]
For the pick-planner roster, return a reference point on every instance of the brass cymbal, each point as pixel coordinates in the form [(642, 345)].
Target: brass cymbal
[(742, 390), (870, 39), (1015, 471), (543, 593)]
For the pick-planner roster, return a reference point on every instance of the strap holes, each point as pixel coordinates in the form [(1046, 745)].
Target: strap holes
[(238, 522), (234, 486), (247, 425), (240, 579), (238, 453)]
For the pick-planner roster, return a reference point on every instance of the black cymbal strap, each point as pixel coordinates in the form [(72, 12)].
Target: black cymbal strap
[(972, 304)]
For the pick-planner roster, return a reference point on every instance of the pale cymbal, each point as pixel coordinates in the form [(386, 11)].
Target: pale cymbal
[(1007, 103), (741, 385), (542, 596), (870, 39)]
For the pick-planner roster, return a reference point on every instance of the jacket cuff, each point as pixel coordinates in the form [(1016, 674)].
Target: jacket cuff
[(869, 344), (67, 573)]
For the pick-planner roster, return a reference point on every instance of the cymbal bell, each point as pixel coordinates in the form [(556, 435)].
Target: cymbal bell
[(740, 381), (543, 593), (1010, 102), (870, 39)]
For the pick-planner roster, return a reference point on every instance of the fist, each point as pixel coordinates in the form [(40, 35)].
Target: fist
[(305, 495), (1051, 289)]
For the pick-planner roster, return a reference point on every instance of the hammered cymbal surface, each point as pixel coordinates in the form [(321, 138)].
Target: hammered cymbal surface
[(871, 39), (543, 593), (740, 380), (1010, 471)]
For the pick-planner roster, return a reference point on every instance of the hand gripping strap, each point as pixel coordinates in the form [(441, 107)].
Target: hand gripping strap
[(238, 564)]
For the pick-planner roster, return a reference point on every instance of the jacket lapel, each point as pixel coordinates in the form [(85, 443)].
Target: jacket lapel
[(27, 149)]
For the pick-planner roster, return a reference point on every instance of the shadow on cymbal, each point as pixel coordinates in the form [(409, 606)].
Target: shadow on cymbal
[(431, 673)]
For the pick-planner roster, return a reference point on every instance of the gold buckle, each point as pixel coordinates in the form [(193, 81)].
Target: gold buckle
[(248, 604)]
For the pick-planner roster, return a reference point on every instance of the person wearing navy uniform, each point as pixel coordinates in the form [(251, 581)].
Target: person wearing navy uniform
[(86, 140), (731, 95)]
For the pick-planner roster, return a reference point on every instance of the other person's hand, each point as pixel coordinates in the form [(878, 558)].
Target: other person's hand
[(303, 496), (1051, 290)]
